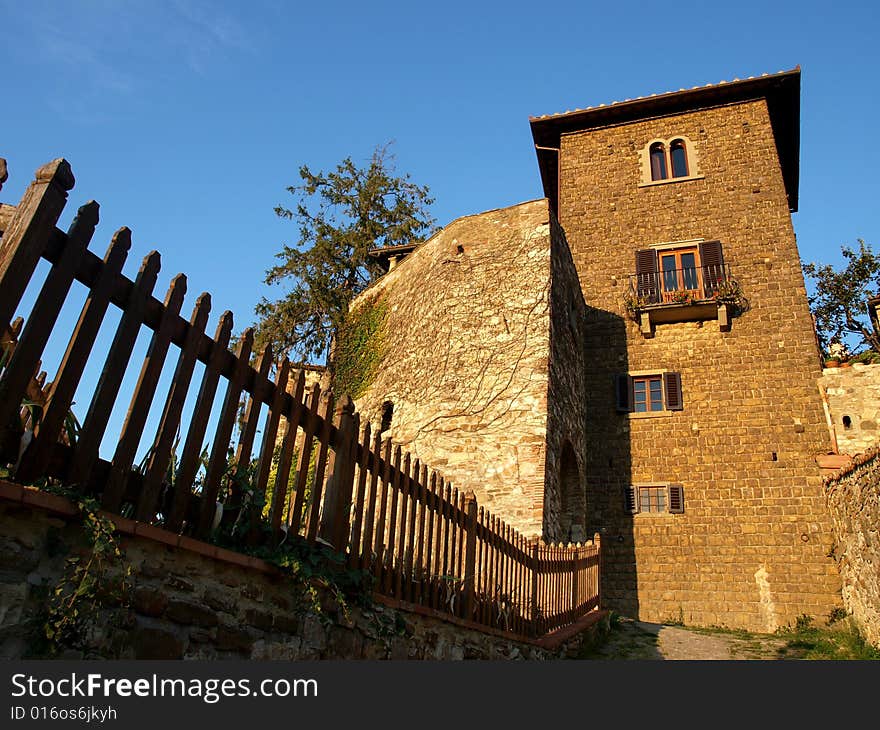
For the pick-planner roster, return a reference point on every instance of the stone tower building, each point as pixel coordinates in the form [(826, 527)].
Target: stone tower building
[(667, 394)]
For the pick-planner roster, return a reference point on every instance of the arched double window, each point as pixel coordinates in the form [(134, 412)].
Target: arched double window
[(670, 160)]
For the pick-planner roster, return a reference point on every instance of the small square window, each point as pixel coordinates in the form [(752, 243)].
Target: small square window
[(657, 498), (648, 394), (652, 499)]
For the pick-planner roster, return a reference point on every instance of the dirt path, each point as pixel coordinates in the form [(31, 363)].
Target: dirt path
[(640, 640)]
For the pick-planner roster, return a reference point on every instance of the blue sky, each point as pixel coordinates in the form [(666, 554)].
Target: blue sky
[(186, 119)]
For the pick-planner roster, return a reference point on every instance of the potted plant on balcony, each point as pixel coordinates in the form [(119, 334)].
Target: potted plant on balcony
[(634, 304), (728, 291), (682, 297)]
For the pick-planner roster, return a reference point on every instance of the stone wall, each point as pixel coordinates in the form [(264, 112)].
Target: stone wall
[(751, 548), (854, 497), (466, 349), (188, 605), (565, 477), (853, 395)]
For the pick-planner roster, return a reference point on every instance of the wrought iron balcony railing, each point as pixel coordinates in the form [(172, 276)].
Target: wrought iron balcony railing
[(679, 286)]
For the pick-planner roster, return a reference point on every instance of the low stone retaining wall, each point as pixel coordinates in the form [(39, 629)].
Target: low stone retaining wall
[(192, 600), (854, 499)]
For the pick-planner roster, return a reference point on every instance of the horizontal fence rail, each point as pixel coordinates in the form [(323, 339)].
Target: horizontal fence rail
[(318, 475)]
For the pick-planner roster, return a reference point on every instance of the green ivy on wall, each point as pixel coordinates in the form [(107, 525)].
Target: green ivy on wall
[(360, 348)]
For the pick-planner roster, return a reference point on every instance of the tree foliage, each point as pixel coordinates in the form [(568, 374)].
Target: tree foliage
[(341, 215), (840, 298)]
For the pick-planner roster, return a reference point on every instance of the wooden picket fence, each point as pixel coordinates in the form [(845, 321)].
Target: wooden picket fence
[(424, 541)]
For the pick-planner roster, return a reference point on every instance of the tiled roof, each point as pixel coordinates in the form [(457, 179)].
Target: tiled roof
[(655, 96)]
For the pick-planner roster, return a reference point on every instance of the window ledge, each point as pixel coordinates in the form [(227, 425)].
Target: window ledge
[(650, 414), (652, 183)]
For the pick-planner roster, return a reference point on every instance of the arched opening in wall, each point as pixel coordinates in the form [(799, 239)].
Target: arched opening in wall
[(387, 415), (571, 492), (847, 423)]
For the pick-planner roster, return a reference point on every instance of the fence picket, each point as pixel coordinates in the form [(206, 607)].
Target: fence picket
[(303, 464), (392, 522), (267, 450), (355, 553), (219, 460), (379, 544), (169, 426), (370, 510), (325, 409), (144, 391), (420, 540), (190, 458), (434, 528), (405, 482), (244, 449), (285, 456)]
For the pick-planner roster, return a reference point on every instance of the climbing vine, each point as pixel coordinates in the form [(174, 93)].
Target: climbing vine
[(360, 347), (98, 577)]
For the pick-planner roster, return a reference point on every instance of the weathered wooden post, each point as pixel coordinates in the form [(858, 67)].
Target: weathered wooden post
[(575, 567), (30, 229), (597, 541), (24, 240), (337, 495), (470, 554)]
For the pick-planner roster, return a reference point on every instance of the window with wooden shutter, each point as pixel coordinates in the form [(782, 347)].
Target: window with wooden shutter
[(648, 393), (676, 499), (624, 393), (630, 500), (712, 262), (654, 498), (647, 275), (672, 386)]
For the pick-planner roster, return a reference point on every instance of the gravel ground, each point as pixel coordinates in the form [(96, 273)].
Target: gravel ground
[(640, 640)]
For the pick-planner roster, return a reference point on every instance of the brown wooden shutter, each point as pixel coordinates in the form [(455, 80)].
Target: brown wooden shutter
[(672, 386), (676, 499), (712, 261), (648, 275), (624, 393), (631, 500)]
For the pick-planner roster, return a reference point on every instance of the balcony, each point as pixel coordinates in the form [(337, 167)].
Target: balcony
[(690, 294)]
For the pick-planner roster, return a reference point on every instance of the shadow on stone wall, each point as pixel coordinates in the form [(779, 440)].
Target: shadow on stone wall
[(609, 460)]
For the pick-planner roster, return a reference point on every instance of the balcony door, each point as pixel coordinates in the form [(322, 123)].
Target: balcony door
[(680, 273)]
